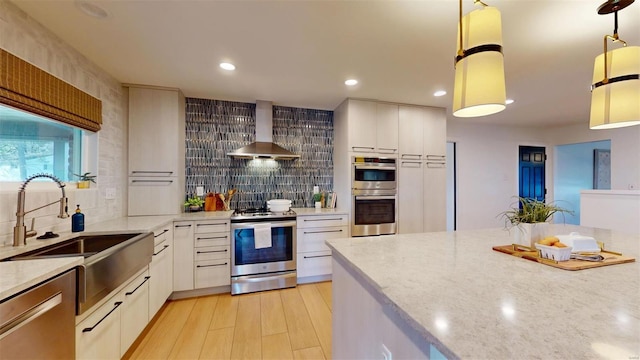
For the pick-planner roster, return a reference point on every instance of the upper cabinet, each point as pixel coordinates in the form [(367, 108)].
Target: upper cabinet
[(156, 132), (371, 127), (435, 133), (411, 125)]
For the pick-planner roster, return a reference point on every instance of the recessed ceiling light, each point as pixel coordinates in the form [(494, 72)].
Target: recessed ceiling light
[(509, 101), (92, 9), (227, 66), (440, 93), (351, 82)]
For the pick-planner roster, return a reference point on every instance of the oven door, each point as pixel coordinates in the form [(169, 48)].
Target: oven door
[(247, 260), (373, 215), (366, 177)]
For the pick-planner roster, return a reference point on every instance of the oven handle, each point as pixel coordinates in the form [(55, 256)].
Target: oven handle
[(366, 167), (367, 197), (274, 224)]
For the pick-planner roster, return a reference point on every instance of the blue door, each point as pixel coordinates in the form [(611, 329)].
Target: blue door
[(531, 170)]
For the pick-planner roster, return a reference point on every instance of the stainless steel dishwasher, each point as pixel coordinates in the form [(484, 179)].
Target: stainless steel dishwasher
[(39, 323)]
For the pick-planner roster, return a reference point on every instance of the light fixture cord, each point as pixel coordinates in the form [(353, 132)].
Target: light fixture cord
[(614, 38)]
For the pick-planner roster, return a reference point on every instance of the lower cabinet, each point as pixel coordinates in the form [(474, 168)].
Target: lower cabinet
[(313, 256), (108, 332), (183, 255), (212, 253), (161, 269)]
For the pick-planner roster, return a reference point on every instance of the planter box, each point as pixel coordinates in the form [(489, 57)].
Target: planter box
[(529, 234)]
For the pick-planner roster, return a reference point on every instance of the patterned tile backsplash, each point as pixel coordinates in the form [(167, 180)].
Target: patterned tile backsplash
[(216, 127)]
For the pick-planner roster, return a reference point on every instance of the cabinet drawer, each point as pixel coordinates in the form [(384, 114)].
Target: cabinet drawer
[(212, 273), (314, 263), (312, 239), (160, 235), (213, 253), (213, 226), (322, 221), (212, 239)]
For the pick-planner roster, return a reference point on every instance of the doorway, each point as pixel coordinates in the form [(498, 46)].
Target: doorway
[(531, 173)]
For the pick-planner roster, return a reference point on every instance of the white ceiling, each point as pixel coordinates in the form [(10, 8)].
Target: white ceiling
[(298, 53)]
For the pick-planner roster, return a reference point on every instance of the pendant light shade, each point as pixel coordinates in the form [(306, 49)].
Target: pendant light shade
[(479, 87), (615, 101)]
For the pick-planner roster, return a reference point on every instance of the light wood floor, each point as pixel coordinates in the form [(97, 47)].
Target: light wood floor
[(279, 324)]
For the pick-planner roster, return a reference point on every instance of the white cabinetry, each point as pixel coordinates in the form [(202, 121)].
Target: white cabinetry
[(183, 255), (422, 169), (156, 150), (372, 127), (134, 314), (313, 256), (109, 330), (161, 269), (212, 253)]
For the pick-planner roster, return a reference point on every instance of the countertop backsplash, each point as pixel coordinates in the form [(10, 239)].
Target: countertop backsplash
[(216, 127)]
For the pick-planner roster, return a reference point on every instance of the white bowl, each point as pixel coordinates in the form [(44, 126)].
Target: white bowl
[(279, 205)]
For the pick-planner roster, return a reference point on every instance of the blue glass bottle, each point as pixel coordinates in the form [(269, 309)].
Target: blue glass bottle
[(77, 221)]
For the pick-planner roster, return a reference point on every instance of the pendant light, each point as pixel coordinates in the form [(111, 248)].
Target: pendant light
[(615, 91), (479, 87)]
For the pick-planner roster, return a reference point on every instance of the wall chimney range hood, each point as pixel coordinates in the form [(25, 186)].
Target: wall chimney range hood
[(263, 147)]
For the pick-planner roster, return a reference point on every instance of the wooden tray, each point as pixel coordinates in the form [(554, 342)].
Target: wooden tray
[(609, 258)]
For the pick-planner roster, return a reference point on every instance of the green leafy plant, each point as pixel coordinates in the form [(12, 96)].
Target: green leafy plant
[(194, 201), (529, 211), (86, 177)]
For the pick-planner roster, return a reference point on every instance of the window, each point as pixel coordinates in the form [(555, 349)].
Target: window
[(30, 144)]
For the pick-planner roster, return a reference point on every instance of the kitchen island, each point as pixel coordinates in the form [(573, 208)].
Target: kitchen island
[(448, 294)]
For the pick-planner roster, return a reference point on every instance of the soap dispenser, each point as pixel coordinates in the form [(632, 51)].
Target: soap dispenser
[(77, 221)]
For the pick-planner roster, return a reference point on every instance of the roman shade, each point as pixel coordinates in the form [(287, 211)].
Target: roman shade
[(29, 88)]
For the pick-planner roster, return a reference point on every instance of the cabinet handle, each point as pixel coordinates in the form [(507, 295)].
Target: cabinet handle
[(411, 164), (436, 157), (137, 287), (435, 165), (212, 237), (161, 250), (201, 266), (162, 233), (31, 314), (325, 219), (210, 252), (152, 181), (104, 317), (315, 256), (224, 223), (355, 148), (152, 172), (178, 226), (387, 150), (322, 231), (411, 156)]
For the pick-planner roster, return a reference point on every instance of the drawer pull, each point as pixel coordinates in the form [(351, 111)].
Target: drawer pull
[(210, 252), (334, 219), (436, 165), (315, 256), (137, 287), (104, 317), (152, 181), (322, 231), (152, 172), (224, 223), (362, 148), (180, 226), (212, 237), (161, 250), (162, 233), (201, 266)]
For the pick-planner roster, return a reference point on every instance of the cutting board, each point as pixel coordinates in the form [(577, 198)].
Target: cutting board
[(609, 259)]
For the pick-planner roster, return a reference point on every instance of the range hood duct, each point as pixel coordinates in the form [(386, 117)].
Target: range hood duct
[(263, 148)]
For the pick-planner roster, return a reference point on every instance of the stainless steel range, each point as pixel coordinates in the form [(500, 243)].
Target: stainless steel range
[(263, 250)]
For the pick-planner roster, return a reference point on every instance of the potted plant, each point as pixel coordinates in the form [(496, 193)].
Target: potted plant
[(530, 216), (85, 180), (194, 203)]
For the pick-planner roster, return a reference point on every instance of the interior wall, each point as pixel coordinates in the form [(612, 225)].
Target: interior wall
[(487, 169), (573, 173), (30, 41)]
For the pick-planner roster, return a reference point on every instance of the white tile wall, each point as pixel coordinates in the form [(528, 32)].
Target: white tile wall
[(27, 39)]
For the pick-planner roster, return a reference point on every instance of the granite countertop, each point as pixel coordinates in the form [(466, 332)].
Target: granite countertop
[(473, 302), (322, 211), (21, 275)]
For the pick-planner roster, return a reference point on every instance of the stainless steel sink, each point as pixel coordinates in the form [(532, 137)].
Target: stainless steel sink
[(109, 260)]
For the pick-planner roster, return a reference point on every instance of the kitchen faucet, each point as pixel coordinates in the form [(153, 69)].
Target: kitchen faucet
[(20, 233)]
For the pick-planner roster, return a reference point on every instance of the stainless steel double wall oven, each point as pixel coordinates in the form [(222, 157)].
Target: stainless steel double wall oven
[(374, 196)]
